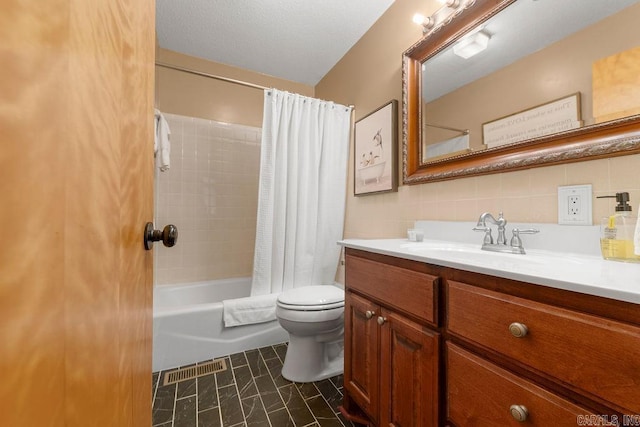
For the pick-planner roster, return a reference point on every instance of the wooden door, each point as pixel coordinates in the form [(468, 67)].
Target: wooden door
[(408, 373), (361, 363), (76, 178)]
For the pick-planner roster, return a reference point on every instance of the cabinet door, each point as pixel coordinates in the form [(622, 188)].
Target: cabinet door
[(409, 373), (361, 352)]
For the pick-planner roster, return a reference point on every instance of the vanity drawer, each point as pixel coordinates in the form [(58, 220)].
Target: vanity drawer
[(482, 394), (597, 355), (405, 290)]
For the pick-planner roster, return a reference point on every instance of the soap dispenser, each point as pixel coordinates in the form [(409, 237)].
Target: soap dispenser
[(617, 231)]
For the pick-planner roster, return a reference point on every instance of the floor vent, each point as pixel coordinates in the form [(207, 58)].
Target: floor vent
[(182, 374)]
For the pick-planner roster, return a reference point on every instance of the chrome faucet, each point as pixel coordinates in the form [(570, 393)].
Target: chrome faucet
[(515, 245), (500, 222)]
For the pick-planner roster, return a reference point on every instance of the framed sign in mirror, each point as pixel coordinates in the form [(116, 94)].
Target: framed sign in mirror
[(546, 119), (376, 145), (450, 92)]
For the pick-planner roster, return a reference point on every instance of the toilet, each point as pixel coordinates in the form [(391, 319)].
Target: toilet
[(314, 318)]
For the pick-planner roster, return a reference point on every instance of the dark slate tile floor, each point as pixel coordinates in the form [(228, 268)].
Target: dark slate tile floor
[(250, 393)]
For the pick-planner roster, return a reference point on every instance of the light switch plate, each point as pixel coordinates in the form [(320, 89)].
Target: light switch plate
[(575, 205)]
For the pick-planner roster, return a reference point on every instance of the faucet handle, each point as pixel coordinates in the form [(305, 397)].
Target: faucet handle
[(525, 231), (488, 238), (515, 239)]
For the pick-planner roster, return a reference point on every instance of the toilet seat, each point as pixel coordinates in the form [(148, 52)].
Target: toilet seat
[(312, 298), (319, 307)]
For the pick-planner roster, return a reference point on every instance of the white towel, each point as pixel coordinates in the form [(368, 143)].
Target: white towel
[(161, 143), (245, 311)]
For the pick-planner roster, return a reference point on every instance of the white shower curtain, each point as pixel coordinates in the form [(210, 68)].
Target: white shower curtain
[(303, 174)]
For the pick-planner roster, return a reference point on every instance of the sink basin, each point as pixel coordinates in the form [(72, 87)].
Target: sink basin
[(469, 253), (436, 245)]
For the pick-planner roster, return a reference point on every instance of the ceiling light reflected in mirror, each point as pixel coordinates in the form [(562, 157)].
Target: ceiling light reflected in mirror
[(471, 45)]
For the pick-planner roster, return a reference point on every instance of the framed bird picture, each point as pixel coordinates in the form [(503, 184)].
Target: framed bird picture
[(375, 152)]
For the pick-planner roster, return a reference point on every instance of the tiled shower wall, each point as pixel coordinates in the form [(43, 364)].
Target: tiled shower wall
[(210, 194)]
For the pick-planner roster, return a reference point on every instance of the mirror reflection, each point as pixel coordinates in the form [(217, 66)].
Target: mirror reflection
[(534, 69)]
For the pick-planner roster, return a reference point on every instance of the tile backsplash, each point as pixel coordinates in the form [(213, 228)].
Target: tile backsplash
[(524, 196), (210, 193)]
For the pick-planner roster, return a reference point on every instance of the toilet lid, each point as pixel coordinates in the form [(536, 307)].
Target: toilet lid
[(311, 296)]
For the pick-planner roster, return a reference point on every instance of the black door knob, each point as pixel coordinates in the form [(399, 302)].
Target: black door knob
[(168, 235)]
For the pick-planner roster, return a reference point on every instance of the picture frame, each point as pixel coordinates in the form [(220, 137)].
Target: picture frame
[(375, 151)]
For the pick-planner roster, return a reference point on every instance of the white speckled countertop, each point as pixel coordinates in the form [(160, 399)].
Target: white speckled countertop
[(579, 272)]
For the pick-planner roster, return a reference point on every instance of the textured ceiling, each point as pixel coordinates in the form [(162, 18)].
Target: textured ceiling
[(291, 39)]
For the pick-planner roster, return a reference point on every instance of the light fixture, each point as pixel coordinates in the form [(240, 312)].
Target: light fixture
[(472, 44), (426, 21), (429, 22), (450, 3)]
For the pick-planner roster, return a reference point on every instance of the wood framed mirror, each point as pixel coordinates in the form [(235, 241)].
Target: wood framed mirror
[(590, 51)]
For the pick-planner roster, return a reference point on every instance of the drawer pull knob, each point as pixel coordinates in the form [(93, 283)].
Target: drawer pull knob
[(381, 320), (519, 413), (518, 330), (369, 314)]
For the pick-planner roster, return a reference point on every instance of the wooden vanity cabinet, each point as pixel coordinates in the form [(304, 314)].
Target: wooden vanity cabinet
[(558, 357), (391, 353), (595, 356), (483, 350)]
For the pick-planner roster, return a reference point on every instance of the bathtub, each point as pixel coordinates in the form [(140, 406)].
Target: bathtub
[(370, 172), (188, 326)]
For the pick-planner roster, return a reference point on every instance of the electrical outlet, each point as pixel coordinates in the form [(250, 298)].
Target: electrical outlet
[(574, 205), (573, 209)]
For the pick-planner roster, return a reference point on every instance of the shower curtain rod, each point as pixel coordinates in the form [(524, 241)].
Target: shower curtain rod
[(212, 76), (462, 131), (216, 77)]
